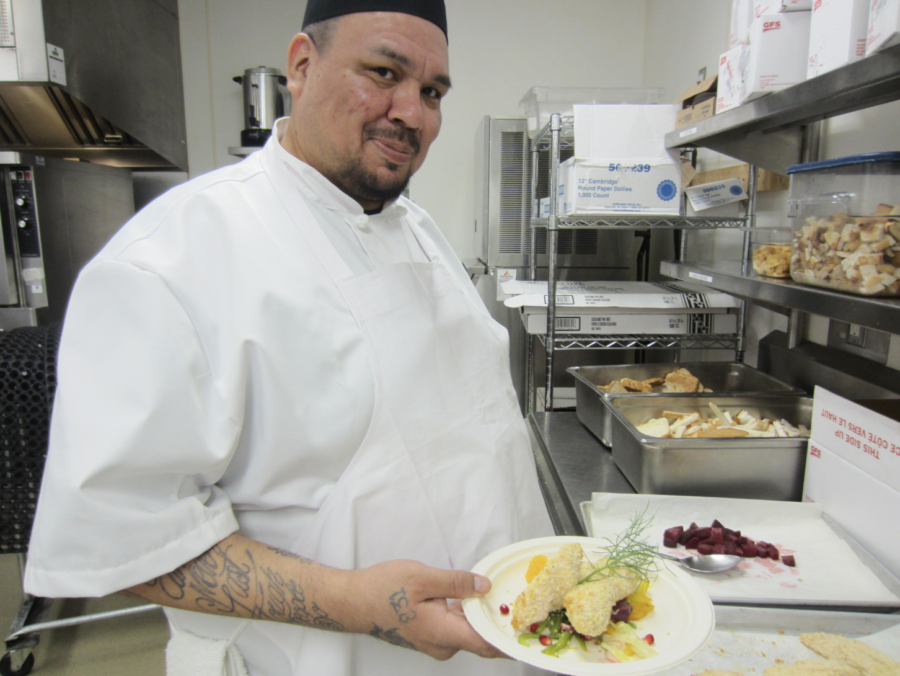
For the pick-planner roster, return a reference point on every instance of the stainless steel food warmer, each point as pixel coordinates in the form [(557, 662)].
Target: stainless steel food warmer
[(769, 468), (593, 404)]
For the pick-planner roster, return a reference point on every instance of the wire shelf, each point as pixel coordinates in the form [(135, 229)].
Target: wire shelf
[(571, 341), (644, 223)]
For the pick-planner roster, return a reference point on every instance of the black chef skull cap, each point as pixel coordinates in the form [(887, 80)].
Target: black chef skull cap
[(430, 10)]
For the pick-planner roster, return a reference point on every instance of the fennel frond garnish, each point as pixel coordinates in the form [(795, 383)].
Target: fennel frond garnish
[(627, 555)]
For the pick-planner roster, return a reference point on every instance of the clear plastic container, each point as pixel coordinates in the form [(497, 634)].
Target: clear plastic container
[(770, 252), (846, 224), (541, 102)]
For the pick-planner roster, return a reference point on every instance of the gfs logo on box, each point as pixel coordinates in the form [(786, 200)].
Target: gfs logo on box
[(771, 26)]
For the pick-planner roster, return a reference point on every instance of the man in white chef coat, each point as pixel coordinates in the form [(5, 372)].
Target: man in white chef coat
[(283, 412)]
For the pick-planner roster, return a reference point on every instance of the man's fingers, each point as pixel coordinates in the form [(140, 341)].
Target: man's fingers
[(455, 584)]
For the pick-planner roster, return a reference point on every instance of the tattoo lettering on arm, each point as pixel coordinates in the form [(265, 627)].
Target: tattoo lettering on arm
[(391, 636), (400, 604), (226, 582), (290, 555)]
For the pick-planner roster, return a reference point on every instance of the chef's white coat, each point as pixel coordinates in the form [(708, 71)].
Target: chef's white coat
[(212, 378)]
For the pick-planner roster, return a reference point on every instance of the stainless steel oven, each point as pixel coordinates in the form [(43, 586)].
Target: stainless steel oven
[(56, 215)]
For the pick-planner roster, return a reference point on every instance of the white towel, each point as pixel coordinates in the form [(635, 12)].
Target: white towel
[(190, 655)]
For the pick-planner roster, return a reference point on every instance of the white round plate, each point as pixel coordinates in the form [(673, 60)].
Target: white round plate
[(681, 622)]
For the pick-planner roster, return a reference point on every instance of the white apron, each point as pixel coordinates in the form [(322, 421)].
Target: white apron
[(445, 473)]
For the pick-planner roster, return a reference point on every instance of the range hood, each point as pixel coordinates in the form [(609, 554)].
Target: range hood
[(95, 80)]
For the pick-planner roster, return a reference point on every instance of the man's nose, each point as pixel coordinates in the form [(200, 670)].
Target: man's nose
[(407, 106)]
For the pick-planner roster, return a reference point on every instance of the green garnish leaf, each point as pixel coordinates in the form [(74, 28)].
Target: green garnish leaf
[(629, 554)]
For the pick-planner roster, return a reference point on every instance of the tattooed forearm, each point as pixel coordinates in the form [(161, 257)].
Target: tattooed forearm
[(228, 580), (391, 636)]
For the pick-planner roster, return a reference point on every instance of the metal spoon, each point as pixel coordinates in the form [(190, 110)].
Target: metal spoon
[(711, 563)]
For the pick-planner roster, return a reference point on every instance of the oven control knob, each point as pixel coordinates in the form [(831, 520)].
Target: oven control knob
[(23, 223), (22, 202)]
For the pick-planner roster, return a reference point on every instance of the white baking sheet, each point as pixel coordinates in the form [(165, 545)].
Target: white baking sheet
[(828, 571), (752, 652)]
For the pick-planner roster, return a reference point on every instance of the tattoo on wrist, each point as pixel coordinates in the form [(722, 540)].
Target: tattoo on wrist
[(400, 604), (391, 636)]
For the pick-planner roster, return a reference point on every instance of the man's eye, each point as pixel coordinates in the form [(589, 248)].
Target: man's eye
[(385, 73), (432, 93)]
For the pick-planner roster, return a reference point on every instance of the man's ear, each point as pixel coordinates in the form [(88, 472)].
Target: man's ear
[(300, 52)]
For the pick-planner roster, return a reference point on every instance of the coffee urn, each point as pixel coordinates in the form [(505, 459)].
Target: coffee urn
[(263, 103)]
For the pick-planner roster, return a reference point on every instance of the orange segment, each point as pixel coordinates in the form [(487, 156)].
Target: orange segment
[(534, 567)]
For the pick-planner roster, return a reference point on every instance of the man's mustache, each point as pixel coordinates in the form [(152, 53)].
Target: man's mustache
[(397, 133)]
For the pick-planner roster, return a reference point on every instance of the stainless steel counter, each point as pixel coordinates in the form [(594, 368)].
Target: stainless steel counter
[(571, 464)]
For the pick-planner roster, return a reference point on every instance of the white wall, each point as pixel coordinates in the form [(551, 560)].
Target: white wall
[(498, 50)]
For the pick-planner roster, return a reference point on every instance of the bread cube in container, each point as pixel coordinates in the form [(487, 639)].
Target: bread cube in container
[(846, 223), (539, 103)]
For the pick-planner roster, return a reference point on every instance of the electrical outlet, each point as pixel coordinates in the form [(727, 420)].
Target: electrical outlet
[(856, 335), (701, 75)]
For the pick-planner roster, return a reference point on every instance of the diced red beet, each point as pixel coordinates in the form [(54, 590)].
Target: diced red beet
[(749, 550), (716, 535), (684, 537), (762, 552), (743, 540), (737, 534), (729, 547), (692, 543), (729, 537), (717, 524), (671, 544), (738, 550), (718, 549), (788, 560), (762, 543), (704, 549), (702, 533), (773, 553), (673, 533), (621, 611), (693, 526)]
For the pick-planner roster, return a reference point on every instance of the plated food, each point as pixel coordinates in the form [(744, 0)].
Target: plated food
[(679, 615), (684, 425)]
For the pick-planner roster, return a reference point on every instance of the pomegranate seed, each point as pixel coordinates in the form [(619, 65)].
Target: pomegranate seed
[(504, 609), (649, 639), (533, 627), (546, 640)]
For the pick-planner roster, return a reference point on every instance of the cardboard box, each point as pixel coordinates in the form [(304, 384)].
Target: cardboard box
[(607, 308), (866, 508), (708, 195), (629, 187), (741, 18), (621, 164), (697, 103), (837, 34), (859, 435), (884, 25), (761, 7), (766, 181), (777, 54), (617, 322), (730, 80)]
